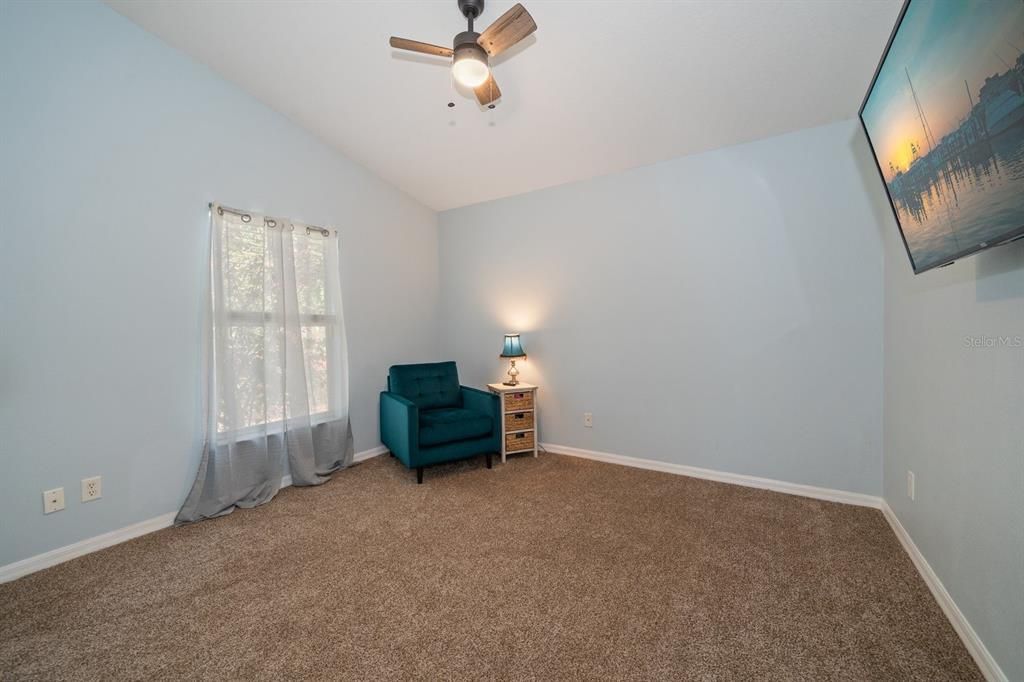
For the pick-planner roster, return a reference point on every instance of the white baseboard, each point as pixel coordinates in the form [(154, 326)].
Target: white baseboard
[(989, 668), (369, 454), (829, 494), (61, 554), (87, 546)]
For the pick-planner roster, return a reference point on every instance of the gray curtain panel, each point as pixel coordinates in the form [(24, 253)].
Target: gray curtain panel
[(276, 395)]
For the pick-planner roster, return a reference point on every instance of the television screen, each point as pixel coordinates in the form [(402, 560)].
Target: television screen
[(945, 120)]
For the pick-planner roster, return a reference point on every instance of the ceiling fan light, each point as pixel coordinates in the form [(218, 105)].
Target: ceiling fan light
[(470, 66), (470, 72)]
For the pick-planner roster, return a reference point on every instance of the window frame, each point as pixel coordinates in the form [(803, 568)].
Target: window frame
[(329, 322)]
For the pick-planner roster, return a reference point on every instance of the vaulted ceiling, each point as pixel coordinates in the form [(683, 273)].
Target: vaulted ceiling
[(602, 86)]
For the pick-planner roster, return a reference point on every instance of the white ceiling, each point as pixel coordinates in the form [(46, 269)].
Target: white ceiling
[(600, 87)]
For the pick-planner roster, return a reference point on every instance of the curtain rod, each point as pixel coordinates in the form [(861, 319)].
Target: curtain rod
[(271, 222)]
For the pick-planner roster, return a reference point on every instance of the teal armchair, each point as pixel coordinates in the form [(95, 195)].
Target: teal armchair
[(427, 418)]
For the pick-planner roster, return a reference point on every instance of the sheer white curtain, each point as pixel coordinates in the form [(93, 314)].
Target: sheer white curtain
[(275, 360)]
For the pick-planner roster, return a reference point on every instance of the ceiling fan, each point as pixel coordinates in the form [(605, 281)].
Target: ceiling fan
[(470, 50)]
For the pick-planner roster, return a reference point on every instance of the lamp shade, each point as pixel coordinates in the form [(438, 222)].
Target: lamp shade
[(513, 348)]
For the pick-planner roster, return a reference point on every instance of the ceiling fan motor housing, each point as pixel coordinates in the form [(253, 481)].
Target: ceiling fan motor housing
[(465, 46)]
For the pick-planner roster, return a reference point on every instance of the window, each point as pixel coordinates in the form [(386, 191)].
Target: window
[(276, 323)]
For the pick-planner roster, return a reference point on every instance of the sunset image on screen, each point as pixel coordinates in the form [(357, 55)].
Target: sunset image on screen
[(945, 118)]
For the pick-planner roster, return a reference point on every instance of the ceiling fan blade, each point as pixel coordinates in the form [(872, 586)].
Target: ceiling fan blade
[(417, 46), (487, 91), (507, 30)]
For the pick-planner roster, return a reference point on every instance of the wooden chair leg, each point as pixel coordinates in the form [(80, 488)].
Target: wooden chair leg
[(488, 456), (419, 475)]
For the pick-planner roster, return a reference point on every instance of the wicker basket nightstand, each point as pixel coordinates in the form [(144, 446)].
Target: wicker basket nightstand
[(518, 418)]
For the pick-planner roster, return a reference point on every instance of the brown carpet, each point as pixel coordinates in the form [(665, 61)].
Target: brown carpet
[(548, 568)]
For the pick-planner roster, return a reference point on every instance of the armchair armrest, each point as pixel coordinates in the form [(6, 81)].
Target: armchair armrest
[(478, 401), (482, 401), (399, 426)]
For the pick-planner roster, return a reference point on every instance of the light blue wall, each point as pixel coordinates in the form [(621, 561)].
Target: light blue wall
[(112, 145), (722, 310), (954, 415)]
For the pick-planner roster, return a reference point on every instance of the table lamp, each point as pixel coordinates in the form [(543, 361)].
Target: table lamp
[(513, 349)]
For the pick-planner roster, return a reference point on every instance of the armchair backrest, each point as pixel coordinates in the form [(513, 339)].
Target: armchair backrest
[(429, 385)]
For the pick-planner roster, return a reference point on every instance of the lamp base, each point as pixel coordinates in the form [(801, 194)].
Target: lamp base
[(513, 375)]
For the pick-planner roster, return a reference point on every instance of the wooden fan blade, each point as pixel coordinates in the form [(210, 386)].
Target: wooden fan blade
[(487, 91), (417, 46), (507, 30)]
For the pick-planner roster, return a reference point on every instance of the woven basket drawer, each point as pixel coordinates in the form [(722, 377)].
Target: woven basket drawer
[(517, 421), (515, 442), (519, 401)]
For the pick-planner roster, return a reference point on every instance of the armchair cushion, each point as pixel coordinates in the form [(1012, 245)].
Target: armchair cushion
[(428, 386), (450, 424)]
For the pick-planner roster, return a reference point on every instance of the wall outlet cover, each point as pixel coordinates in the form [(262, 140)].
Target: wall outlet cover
[(91, 489), (53, 500), (910, 485), (588, 419)]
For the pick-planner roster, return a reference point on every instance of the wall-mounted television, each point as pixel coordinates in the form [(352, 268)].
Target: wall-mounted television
[(945, 119)]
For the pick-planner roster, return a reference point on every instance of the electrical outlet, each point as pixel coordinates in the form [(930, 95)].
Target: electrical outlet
[(910, 485), (588, 419), (53, 500), (91, 489)]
